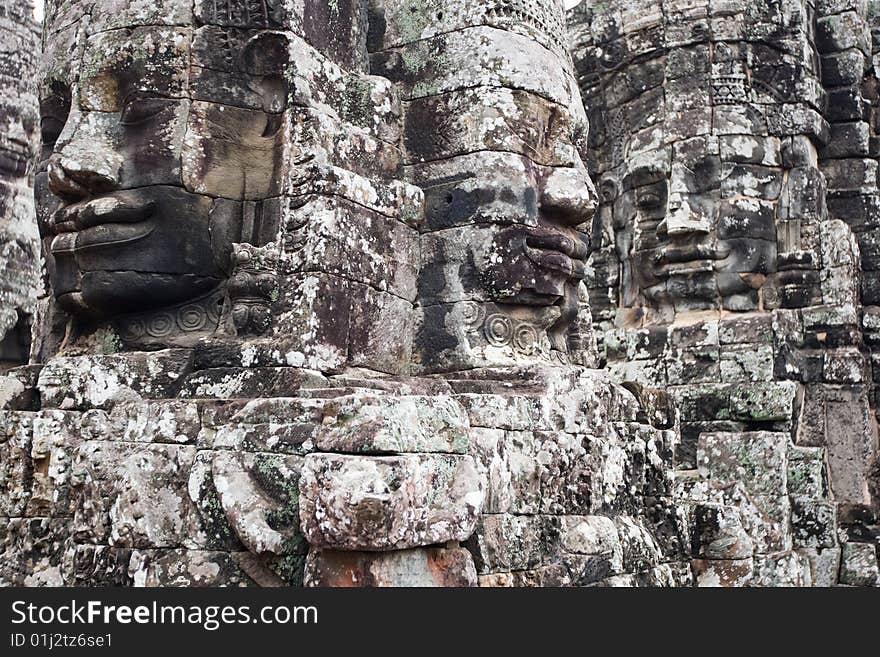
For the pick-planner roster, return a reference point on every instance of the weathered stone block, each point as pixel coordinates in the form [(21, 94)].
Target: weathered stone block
[(842, 31), (498, 411), (169, 421), (465, 59), (18, 389), (247, 383), (503, 543), (567, 472), (741, 363), (858, 565), (640, 549), (329, 322), (704, 402), (763, 401), (97, 565), (157, 57), (786, 569), (842, 68), (283, 425), (714, 574), (388, 502), (750, 150), (824, 565), (341, 238), (693, 365), (33, 551), (16, 438), (814, 523), (259, 495), (806, 472), (360, 424), (136, 496), (509, 462), (848, 140), (850, 442), (757, 459), (84, 382), (193, 569), (718, 533), (446, 567), (381, 330)]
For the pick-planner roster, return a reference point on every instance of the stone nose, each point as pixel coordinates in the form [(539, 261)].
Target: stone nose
[(69, 178), (681, 219), (85, 161), (569, 196)]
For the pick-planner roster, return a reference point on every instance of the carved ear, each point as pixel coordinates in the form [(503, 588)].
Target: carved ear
[(265, 58)]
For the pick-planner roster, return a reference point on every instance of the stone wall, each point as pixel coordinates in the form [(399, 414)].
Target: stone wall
[(319, 417), (126, 474), (724, 275), (333, 299), (19, 134)]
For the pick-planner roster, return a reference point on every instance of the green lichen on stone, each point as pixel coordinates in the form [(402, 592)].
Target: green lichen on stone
[(269, 473), (746, 459), (357, 101), (763, 403), (445, 471), (805, 472), (290, 567), (416, 59), (344, 417), (110, 343), (411, 214), (797, 479), (413, 18), (213, 515)]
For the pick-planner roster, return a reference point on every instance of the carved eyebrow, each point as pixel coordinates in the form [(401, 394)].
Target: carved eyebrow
[(647, 171), (643, 175), (146, 94)]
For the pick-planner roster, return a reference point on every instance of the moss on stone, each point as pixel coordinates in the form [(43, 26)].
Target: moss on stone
[(357, 101), (268, 471), (413, 18)]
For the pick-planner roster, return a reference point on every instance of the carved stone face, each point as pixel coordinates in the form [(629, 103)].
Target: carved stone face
[(666, 232), (496, 137), (19, 243), (540, 260), (691, 238), (154, 140), (16, 140), (695, 180)]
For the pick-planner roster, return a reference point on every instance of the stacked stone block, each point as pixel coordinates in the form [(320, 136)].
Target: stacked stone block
[(768, 380), (387, 382), (19, 135), (118, 476)]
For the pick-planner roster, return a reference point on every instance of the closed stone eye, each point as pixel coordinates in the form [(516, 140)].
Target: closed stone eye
[(649, 200), (138, 108)]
